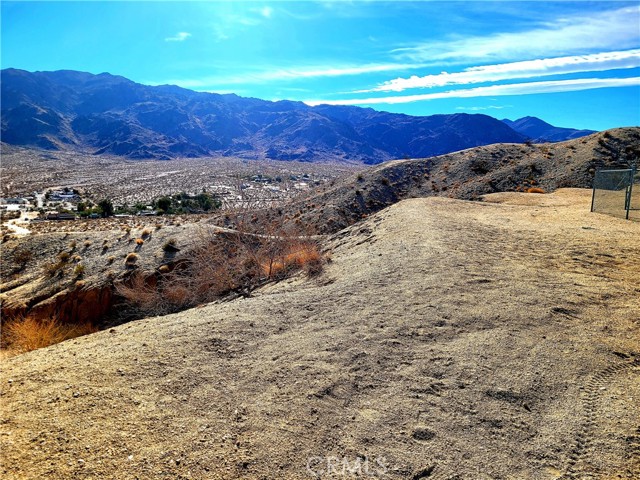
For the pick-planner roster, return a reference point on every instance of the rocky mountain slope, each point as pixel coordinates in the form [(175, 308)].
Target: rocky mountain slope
[(110, 114), (469, 174), (541, 131), (447, 339)]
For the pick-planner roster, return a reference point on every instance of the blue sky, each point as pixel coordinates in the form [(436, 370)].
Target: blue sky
[(570, 63)]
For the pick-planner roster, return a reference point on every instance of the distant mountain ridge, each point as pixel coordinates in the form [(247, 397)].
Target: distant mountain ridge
[(109, 114), (541, 131)]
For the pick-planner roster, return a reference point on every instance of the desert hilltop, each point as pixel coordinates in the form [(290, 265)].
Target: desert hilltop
[(446, 339)]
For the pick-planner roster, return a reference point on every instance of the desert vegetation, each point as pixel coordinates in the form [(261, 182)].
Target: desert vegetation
[(20, 335), (222, 264)]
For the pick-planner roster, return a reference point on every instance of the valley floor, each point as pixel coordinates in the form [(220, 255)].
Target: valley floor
[(447, 339)]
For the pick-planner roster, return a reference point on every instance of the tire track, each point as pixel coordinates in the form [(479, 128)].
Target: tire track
[(592, 391)]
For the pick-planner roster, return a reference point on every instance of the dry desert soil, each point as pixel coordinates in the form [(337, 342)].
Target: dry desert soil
[(447, 339)]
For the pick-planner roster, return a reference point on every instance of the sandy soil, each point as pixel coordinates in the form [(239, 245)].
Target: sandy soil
[(447, 339)]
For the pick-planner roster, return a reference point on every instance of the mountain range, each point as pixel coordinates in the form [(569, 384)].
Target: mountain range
[(541, 131), (109, 114)]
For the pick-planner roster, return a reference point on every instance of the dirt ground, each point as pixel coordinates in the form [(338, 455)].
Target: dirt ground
[(446, 340)]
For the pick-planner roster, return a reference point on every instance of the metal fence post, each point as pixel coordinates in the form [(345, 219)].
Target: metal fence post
[(630, 189)]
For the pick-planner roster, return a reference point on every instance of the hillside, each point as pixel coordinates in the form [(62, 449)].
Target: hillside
[(108, 114), (541, 131), (447, 339), (470, 174), (102, 245)]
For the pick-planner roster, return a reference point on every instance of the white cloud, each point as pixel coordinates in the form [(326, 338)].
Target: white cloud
[(286, 74), (494, 91), (527, 69), (266, 12), (179, 37), (479, 109), (609, 30), (328, 71)]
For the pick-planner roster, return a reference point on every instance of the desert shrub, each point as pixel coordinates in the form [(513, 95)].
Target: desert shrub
[(535, 190), (292, 256), (131, 259), (480, 166), (140, 295), (170, 245), (56, 268), (25, 334), (79, 270), (52, 269), (22, 256), (87, 243), (178, 295), (145, 233), (139, 241), (220, 264), (111, 259)]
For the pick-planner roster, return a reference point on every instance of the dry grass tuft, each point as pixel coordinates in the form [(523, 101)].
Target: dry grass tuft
[(139, 241), (131, 259), (79, 270), (535, 190), (178, 295), (25, 334), (296, 256), (140, 294), (170, 245)]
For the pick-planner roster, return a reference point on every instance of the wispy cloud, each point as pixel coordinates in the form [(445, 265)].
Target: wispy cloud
[(480, 109), (528, 88), (266, 12), (609, 30), (328, 71), (231, 21), (317, 71), (179, 37), (517, 70)]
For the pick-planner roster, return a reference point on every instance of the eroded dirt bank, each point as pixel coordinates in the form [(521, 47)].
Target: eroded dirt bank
[(447, 339)]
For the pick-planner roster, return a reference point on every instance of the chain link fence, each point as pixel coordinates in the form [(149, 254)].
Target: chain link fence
[(617, 193)]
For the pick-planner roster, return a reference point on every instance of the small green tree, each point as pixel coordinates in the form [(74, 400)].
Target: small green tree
[(207, 202), (164, 204), (106, 207)]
